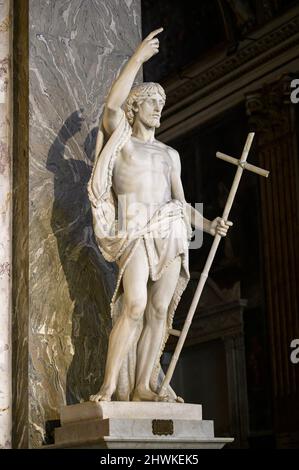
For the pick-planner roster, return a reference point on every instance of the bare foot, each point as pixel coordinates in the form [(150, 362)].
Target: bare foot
[(104, 394), (169, 399), (144, 394)]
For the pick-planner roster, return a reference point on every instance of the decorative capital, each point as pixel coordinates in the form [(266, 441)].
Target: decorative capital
[(268, 109)]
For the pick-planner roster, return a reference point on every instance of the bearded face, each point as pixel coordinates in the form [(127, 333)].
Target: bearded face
[(148, 111)]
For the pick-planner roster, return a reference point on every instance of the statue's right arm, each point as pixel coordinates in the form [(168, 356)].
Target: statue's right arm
[(123, 84), (118, 95)]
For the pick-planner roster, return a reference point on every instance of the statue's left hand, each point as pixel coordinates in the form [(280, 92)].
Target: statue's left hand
[(220, 226)]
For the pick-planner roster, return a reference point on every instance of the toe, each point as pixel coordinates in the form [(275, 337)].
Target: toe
[(180, 400)]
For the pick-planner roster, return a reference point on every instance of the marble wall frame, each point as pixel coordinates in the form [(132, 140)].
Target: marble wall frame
[(5, 223)]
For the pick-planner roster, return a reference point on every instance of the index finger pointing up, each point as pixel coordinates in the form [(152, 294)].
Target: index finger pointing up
[(154, 33)]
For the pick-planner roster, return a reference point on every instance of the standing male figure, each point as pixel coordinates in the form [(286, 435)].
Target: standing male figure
[(140, 221)]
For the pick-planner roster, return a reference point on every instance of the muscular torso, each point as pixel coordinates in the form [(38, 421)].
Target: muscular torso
[(142, 174)]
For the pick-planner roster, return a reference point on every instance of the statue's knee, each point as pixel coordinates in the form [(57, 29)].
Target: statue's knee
[(159, 311), (135, 308)]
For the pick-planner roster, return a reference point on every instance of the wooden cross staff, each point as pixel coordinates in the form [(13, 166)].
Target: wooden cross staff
[(242, 165)]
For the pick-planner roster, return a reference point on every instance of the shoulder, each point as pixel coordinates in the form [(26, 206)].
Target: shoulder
[(174, 157), (174, 154), (112, 119)]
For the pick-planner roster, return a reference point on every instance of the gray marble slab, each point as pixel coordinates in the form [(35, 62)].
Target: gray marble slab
[(76, 49)]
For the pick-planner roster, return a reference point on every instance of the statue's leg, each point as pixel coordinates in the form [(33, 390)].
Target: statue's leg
[(134, 280), (160, 295)]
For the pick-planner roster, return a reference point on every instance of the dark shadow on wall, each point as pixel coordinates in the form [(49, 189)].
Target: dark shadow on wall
[(90, 278)]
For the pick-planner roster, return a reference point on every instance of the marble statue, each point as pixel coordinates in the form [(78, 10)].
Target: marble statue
[(141, 221)]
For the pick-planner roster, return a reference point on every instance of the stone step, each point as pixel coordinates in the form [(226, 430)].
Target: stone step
[(96, 429), (146, 443), (175, 443), (129, 410)]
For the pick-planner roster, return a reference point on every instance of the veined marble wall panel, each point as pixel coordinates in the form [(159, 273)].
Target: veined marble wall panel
[(76, 49), (5, 228), (113, 24)]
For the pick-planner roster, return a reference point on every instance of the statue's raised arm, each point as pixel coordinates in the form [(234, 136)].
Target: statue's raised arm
[(123, 84), (117, 96)]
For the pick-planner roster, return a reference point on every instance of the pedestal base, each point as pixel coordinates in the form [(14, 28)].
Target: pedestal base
[(136, 425)]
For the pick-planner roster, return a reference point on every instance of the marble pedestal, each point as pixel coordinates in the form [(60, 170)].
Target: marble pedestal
[(133, 425)]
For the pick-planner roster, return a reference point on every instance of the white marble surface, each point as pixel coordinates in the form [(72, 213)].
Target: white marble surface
[(129, 410), (134, 429), (175, 443), (138, 428), (5, 231), (133, 425)]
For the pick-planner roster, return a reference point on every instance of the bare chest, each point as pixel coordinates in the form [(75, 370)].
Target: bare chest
[(141, 164)]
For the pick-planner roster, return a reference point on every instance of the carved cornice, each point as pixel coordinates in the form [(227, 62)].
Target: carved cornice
[(222, 83), (268, 46)]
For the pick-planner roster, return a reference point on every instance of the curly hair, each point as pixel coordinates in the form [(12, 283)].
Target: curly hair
[(138, 94)]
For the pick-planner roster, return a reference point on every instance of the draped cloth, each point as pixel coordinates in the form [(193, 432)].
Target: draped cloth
[(165, 236)]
